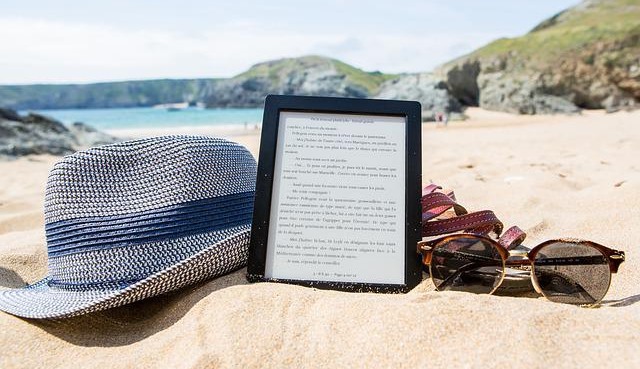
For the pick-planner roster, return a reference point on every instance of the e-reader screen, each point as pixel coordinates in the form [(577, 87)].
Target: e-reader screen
[(338, 199)]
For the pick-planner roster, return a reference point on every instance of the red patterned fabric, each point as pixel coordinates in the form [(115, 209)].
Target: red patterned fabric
[(435, 204)]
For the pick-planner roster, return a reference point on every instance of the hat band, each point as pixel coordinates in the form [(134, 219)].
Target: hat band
[(175, 221), (117, 267), (99, 286)]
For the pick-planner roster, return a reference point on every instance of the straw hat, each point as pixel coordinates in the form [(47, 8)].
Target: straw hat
[(137, 219)]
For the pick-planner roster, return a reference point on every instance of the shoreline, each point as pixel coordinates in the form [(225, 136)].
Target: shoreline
[(478, 118)]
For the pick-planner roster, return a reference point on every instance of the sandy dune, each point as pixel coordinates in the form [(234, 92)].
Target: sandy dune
[(553, 176)]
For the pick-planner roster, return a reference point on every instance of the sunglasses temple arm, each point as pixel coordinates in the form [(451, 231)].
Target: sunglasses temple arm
[(571, 260), (467, 267), (458, 272)]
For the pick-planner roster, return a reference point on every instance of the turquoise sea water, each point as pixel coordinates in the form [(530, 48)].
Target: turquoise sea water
[(136, 118)]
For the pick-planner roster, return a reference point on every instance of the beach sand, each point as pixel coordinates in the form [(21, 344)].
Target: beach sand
[(560, 176)]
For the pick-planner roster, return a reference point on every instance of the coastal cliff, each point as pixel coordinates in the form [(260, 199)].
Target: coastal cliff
[(307, 75), (125, 94), (586, 57)]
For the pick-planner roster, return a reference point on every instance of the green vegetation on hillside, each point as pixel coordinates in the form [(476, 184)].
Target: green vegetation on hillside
[(102, 95), (570, 31), (244, 90), (369, 80), (585, 57), (276, 70)]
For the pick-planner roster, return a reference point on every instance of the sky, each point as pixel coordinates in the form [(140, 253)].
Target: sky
[(66, 41)]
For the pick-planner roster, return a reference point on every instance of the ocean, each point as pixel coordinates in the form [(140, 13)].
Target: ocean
[(155, 118)]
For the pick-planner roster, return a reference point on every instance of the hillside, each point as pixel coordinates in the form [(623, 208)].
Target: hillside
[(103, 95), (584, 57), (307, 75)]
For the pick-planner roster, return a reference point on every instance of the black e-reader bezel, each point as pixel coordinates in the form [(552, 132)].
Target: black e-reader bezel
[(274, 105)]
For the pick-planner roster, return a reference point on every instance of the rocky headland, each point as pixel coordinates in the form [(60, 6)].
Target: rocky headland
[(586, 57), (432, 93), (38, 134), (307, 75)]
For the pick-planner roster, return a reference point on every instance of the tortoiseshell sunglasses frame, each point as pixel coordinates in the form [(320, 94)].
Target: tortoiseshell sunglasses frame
[(527, 258)]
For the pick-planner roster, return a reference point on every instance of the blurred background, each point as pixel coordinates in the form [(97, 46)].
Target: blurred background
[(136, 68)]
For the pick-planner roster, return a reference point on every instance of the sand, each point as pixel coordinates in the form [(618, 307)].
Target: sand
[(553, 176)]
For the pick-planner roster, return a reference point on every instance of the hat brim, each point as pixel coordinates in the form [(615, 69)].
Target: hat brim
[(40, 301)]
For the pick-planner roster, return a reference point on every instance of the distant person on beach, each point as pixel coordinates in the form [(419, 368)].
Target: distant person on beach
[(246, 125), (443, 118)]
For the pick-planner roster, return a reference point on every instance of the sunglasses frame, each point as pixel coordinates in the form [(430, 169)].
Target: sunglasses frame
[(526, 258)]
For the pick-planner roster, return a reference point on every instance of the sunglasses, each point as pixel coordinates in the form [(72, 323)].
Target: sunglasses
[(566, 271)]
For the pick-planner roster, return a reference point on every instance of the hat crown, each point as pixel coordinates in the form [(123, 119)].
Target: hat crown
[(118, 213)]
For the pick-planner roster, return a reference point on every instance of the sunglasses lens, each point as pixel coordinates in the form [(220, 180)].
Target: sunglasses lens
[(572, 273), (469, 264)]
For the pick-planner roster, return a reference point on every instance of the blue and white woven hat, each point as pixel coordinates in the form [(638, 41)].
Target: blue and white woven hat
[(137, 219)]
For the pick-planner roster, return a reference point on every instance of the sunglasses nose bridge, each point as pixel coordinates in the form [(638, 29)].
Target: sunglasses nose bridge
[(519, 254), (520, 257)]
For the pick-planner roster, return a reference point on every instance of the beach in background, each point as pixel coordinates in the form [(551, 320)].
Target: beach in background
[(554, 176)]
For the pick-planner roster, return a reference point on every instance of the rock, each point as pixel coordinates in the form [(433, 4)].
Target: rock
[(87, 136), (20, 138), (44, 124), (309, 75), (565, 64), (424, 88), (39, 134), (461, 80), (9, 114), (505, 92)]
